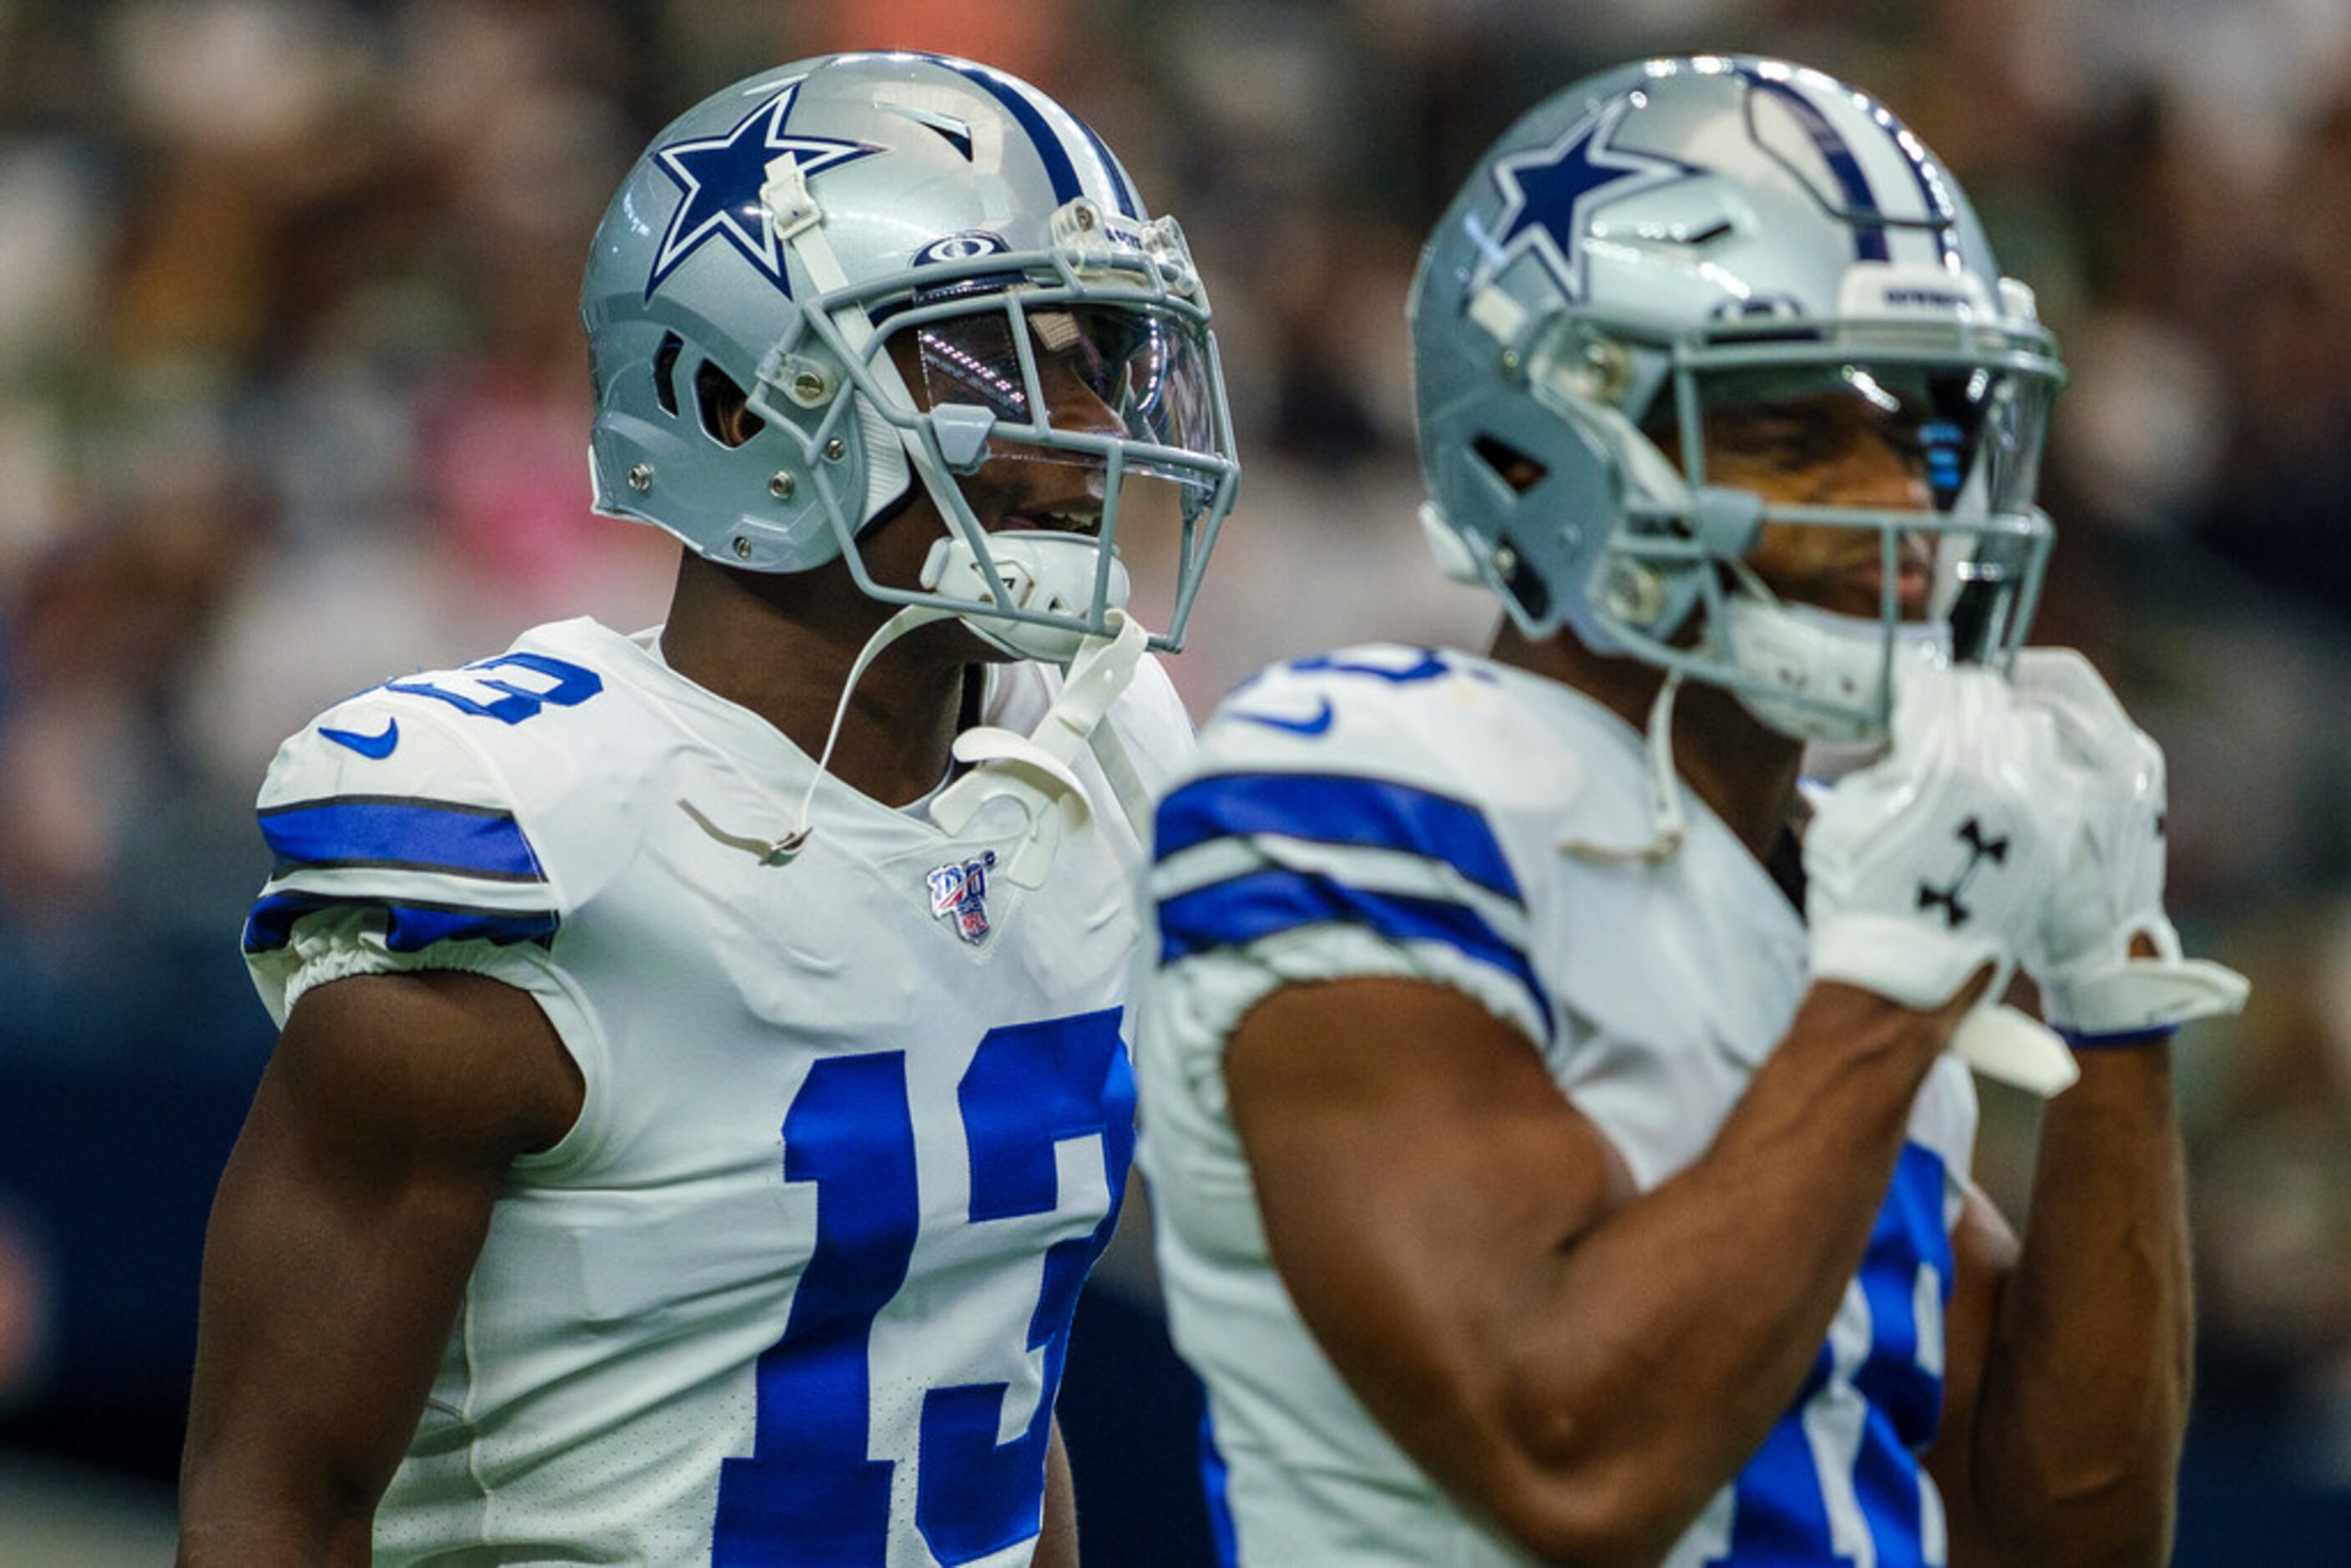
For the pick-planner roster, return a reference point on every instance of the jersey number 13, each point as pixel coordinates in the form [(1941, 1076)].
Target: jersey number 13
[(808, 1494)]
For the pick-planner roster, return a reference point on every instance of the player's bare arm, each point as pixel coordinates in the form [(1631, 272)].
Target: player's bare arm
[(2068, 1446), (346, 1225), (2072, 1356), (1057, 1539), (1584, 1370)]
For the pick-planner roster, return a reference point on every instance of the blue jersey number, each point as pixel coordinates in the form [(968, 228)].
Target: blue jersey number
[(509, 688), (1426, 665), (808, 1494), (1782, 1508)]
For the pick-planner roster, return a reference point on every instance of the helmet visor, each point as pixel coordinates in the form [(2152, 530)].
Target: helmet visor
[(1064, 381), (1971, 436)]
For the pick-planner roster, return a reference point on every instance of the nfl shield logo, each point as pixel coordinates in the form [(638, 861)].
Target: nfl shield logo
[(960, 892)]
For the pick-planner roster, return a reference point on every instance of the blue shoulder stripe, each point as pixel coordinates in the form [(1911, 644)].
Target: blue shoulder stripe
[(1263, 903), (1337, 809), (401, 832), (410, 926)]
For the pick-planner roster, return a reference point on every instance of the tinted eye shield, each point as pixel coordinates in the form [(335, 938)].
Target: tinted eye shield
[(1074, 379), (976, 360)]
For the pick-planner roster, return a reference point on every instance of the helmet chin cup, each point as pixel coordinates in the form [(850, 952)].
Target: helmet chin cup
[(1816, 676), (1041, 573)]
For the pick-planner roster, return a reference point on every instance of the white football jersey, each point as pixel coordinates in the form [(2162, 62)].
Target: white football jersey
[(797, 1287), (1396, 812)]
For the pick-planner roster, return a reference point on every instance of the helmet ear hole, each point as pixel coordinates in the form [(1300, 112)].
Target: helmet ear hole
[(725, 408), (1523, 583), (664, 369), (1510, 465)]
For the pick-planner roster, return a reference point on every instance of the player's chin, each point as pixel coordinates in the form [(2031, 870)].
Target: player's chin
[(977, 650), (952, 641), (1861, 595)]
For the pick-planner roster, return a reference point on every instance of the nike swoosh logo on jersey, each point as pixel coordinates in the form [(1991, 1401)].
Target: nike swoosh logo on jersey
[(1314, 724), (377, 746)]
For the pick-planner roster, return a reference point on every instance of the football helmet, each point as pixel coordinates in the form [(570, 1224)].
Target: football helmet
[(1670, 247), (857, 273)]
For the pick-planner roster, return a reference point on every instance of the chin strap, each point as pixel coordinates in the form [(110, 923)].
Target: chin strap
[(1668, 826), (912, 617), (1034, 769)]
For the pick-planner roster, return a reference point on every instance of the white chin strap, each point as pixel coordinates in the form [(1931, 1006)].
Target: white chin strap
[(1803, 656), (1668, 826), (1035, 769)]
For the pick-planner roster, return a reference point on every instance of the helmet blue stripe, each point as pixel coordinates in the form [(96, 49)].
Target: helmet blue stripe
[(1123, 192), (1058, 166), (1932, 189), (1868, 237)]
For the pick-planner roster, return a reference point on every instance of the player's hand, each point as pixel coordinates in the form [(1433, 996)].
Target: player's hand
[(1936, 862), (2108, 892)]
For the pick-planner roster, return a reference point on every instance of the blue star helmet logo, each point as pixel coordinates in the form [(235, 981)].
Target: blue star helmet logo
[(721, 177), (1548, 192)]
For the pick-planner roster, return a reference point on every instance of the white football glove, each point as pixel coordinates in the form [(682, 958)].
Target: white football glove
[(1927, 865), (2109, 887), (1937, 860)]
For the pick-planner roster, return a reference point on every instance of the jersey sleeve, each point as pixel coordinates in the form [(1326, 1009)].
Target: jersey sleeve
[(1328, 830), (398, 844)]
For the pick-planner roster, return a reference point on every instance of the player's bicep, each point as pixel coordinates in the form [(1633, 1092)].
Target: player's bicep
[(1419, 1175), (1984, 1251), (345, 1227)]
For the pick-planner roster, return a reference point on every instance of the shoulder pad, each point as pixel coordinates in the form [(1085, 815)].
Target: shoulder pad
[(428, 800), (1383, 707)]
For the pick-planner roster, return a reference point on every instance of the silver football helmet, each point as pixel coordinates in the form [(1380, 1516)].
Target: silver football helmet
[(856, 273), (1661, 251)]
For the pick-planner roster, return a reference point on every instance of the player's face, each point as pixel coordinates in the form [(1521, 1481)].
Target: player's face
[(1084, 360), (1829, 451)]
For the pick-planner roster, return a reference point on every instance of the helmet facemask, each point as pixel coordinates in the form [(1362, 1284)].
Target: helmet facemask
[(1732, 420), (1094, 365), (1689, 431)]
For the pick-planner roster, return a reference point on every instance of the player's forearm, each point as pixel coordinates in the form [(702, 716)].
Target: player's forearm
[(1686, 1324), (1057, 1537), (262, 1481), (229, 1537), (2086, 1383)]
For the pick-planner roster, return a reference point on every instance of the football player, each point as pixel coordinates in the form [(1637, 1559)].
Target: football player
[(1552, 1160), (702, 1093)]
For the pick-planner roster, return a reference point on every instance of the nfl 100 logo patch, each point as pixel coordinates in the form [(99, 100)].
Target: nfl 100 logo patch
[(959, 892)]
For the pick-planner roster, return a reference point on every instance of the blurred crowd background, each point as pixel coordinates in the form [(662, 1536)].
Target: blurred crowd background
[(293, 397)]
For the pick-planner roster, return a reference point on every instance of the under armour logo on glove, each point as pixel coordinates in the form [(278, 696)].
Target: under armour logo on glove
[(1979, 850), (1901, 899)]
